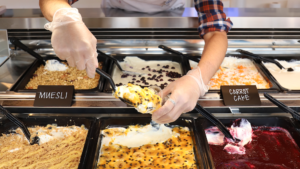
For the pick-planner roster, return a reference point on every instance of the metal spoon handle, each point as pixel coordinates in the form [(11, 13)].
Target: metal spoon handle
[(167, 49), (108, 77), (19, 44), (254, 56), (112, 83), (214, 120), (283, 106), (110, 58), (16, 121)]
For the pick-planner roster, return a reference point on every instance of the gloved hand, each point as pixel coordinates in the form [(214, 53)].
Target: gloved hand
[(185, 94), (72, 40)]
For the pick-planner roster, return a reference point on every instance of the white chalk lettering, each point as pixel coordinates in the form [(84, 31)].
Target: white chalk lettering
[(48, 95), (239, 91), (247, 97), (57, 95), (61, 96), (241, 98), (52, 95), (42, 95)]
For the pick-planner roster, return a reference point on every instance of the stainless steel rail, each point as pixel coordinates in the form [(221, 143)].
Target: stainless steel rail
[(163, 33), (158, 22)]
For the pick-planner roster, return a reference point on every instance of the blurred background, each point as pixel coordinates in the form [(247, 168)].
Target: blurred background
[(21, 4)]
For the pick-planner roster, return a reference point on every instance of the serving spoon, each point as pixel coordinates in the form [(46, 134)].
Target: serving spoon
[(215, 121), (260, 58), (19, 123), (198, 108), (170, 50), (19, 44), (118, 65), (283, 106), (114, 87)]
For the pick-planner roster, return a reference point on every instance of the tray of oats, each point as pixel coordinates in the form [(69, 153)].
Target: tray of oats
[(63, 142), (56, 72)]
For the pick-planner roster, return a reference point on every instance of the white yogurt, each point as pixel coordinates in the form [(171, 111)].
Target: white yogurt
[(243, 132), (193, 64), (55, 65), (214, 136), (289, 80), (233, 149), (137, 137)]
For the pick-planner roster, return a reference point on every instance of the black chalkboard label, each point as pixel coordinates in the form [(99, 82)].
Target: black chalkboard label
[(240, 95), (54, 95)]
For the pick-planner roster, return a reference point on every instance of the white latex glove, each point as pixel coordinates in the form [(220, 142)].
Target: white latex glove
[(185, 94), (72, 40)]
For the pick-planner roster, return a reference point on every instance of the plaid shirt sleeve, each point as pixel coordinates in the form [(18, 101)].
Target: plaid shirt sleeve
[(211, 16), (72, 1)]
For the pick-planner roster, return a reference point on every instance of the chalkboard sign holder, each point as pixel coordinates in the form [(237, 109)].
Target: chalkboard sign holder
[(240, 95), (54, 95)]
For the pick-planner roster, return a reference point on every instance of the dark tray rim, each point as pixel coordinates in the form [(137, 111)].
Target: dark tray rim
[(91, 135), (198, 149), (282, 57), (112, 66), (36, 63)]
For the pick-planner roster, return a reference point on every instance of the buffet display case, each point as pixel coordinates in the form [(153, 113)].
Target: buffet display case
[(271, 37)]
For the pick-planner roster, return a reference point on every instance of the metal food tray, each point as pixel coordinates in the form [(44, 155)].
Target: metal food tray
[(284, 122), (90, 123), (23, 80), (266, 75), (132, 120), (281, 57), (148, 57)]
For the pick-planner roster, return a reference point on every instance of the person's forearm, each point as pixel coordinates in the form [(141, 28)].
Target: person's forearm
[(213, 54), (49, 7)]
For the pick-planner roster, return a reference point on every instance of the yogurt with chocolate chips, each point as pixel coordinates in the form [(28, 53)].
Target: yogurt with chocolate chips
[(157, 73)]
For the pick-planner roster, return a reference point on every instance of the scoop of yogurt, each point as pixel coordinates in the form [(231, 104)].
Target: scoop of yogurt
[(240, 129), (55, 65)]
